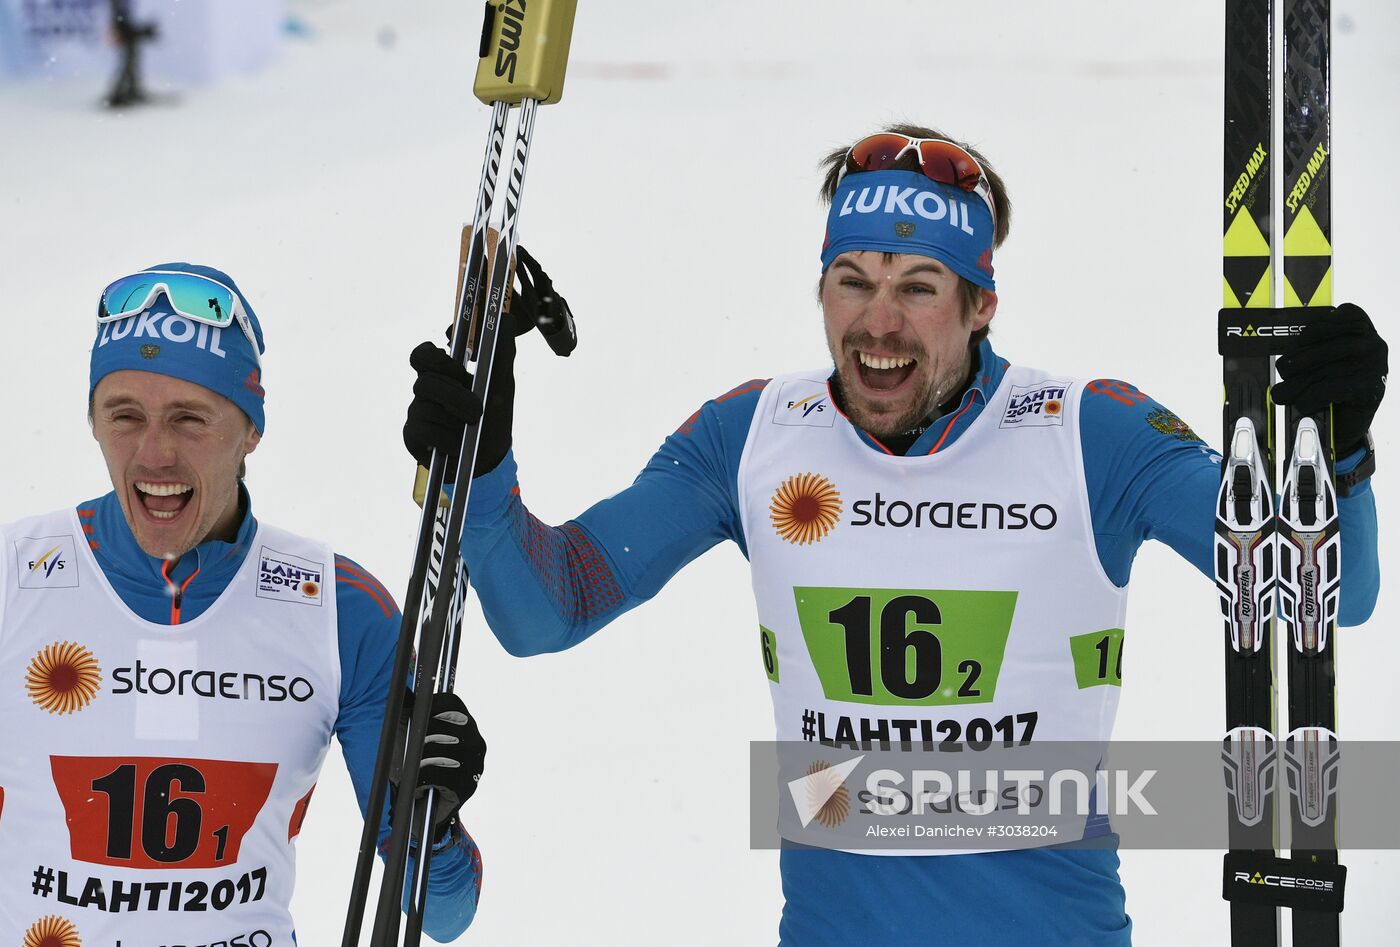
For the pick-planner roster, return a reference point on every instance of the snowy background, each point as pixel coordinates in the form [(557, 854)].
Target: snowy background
[(672, 196)]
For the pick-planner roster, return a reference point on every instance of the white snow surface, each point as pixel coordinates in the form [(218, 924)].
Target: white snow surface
[(672, 196)]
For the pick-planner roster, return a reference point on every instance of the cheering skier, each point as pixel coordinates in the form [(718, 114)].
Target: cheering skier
[(923, 459), (179, 668)]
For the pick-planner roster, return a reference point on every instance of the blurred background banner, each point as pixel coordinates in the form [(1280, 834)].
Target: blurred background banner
[(199, 41)]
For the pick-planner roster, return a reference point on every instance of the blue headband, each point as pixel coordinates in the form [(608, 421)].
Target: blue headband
[(905, 212), (160, 341)]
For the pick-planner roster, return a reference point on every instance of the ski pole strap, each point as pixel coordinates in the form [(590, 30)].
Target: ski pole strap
[(1264, 331), (1265, 878), (1359, 474)]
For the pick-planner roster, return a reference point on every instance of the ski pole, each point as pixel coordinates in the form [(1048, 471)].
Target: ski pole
[(422, 578), (523, 59)]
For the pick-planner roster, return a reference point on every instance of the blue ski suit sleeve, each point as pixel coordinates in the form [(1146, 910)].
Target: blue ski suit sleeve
[(546, 588), (1149, 476), (369, 631)]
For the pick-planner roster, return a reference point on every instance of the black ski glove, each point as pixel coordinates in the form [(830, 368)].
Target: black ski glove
[(1340, 360), (454, 755), (443, 403)]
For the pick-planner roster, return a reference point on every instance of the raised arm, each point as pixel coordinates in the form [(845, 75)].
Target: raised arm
[(547, 588)]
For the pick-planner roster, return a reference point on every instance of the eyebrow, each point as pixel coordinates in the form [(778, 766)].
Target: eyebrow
[(120, 401), (848, 264), (932, 266)]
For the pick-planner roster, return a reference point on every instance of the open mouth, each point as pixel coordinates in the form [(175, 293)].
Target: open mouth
[(884, 374), (163, 501)]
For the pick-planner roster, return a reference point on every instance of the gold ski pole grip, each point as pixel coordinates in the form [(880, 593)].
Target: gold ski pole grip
[(420, 488), (524, 50)]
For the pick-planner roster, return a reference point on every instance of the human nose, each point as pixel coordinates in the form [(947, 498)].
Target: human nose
[(883, 315), (157, 447)]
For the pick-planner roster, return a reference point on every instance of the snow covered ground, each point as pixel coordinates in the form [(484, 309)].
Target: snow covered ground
[(672, 197)]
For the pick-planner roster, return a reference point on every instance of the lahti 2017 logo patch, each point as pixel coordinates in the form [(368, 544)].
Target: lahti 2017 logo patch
[(1166, 422), (289, 578)]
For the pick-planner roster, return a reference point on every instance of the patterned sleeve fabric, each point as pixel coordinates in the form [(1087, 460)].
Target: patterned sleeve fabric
[(574, 573), (546, 588)]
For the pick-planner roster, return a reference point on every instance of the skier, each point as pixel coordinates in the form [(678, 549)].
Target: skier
[(905, 467), (179, 668)]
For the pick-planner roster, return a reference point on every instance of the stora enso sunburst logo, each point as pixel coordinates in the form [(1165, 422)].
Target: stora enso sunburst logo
[(828, 800), (804, 508), (63, 678), (52, 931)]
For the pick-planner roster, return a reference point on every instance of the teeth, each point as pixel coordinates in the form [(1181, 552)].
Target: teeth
[(163, 489), (163, 515), (882, 362)]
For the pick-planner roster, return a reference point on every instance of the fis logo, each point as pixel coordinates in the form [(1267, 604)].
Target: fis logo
[(49, 561), (46, 563), (1036, 406), (805, 403), (289, 578)]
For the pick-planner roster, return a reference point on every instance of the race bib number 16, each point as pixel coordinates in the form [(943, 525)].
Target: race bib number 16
[(906, 646), (150, 812)]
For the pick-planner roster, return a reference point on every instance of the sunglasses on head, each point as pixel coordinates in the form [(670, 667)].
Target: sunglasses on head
[(197, 298), (942, 161)]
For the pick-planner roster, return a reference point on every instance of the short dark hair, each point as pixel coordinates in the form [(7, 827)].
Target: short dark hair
[(834, 163)]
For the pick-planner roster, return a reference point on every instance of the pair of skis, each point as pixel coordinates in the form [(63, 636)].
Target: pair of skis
[(523, 58), (1277, 563)]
